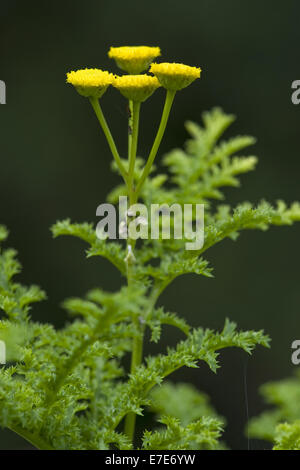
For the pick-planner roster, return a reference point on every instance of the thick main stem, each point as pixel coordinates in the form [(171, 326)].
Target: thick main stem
[(162, 126), (136, 359), (137, 351), (98, 111), (137, 347)]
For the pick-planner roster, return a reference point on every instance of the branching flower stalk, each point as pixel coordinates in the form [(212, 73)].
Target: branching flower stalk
[(98, 111), (170, 95), (137, 347), (137, 88)]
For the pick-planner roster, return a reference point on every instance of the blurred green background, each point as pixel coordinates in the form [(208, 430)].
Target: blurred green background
[(55, 163)]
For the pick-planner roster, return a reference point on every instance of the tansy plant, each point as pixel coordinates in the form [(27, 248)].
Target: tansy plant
[(67, 388)]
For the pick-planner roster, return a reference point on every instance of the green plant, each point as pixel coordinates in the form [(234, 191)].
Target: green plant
[(67, 389)]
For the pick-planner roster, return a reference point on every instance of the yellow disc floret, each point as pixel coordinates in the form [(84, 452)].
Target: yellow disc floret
[(90, 82), (175, 76), (134, 59), (136, 87)]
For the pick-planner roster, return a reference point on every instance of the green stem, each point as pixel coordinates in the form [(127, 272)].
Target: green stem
[(130, 106), (133, 145), (162, 127), (137, 347), (98, 111), (136, 359)]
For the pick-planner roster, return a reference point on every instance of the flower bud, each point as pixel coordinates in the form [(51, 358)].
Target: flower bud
[(136, 87), (134, 59), (90, 83)]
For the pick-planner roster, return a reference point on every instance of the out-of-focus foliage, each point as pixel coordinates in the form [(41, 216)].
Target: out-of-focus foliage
[(280, 423), (287, 436), (181, 404)]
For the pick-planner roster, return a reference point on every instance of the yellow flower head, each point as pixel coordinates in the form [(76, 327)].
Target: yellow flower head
[(136, 87), (175, 76), (90, 82), (134, 59)]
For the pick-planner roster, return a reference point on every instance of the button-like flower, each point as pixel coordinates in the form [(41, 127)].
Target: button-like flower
[(136, 87), (134, 59), (175, 76), (91, 83)]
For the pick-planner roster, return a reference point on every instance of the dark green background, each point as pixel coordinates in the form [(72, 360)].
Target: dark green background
[(55, 162)]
